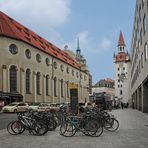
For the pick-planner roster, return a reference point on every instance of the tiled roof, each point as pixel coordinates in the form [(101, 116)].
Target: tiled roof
[(121, 40), (104, 83), (110, 80), (10, 28)]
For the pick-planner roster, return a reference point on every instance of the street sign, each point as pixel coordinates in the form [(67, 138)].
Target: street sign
[(73, 86)]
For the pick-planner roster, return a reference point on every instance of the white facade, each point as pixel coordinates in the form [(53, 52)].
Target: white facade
[(122, 90), (20, 61)]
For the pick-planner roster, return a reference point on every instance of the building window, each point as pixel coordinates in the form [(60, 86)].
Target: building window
[(67, 89), (123, 68), (118, 86), (55, 86), (81, 76), (28, 81), (144, 24), (13, 79), (118, 69), (139, 66), (143, 3), (38, 83), (147, 5), (47, 85), (141, 37), (120, 48), (77, 74), (72, 72), (62, 88), (28, 54), (140, 13), (38, 58), (142, 60), (121, 92), (118, 80), (47, 61), (67, 69), (145, 51), (55, 65), (62, 68), (13, 49)]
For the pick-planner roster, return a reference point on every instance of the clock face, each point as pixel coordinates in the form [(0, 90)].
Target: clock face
[(122, 75)]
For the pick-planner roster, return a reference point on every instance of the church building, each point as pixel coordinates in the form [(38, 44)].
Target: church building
[(36, 68)]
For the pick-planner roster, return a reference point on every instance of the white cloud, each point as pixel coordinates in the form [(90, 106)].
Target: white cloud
[(83, 37), (84, 41), (41, 16), (105, 43), (51, 12)]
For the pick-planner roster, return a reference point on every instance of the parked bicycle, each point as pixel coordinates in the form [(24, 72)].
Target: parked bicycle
[(84, 123), (24, 122)]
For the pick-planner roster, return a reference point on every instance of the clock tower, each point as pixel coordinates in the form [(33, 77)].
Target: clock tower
[(122, 71)]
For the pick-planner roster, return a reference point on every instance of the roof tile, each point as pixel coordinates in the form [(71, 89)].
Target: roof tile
[(10, 28)]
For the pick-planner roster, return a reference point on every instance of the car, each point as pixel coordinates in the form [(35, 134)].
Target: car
[(34, 106), (16, 107), (55, 106), (43, 107)]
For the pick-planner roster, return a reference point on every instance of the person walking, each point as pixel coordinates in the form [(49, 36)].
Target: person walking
[(122, 105)]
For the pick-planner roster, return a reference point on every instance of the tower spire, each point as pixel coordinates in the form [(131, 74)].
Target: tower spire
[(78, 51), (121, 43), (78, 47), (121, 40)]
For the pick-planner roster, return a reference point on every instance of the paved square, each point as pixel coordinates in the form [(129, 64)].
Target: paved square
[(132, 134)]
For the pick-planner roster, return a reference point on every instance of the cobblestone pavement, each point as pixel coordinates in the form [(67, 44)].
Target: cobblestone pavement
[(133, 133)]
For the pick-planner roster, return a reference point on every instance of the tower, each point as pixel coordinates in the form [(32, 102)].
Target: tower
[(122, 71), (78, 50)]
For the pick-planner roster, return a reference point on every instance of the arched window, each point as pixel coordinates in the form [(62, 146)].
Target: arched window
[(120, 48), (47, 85), (62, 88), (38, 83), (38, 58), (55, 86), (28, 81), (13, 79), (67, 89)]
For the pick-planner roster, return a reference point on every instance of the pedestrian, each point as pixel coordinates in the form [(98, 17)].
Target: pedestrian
[(94, 104), (104, 102), (122, 105), (127, 104)]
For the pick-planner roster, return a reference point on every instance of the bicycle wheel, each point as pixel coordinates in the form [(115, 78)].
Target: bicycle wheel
[(67, 129), (39, 128), (52, 124), (93, 128), (17, 127), (113, 124), (10, 131)]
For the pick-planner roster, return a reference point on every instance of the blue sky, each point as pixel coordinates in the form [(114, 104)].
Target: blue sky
[(97, 24)]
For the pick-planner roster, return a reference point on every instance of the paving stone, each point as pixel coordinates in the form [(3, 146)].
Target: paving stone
[(132, 134)]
